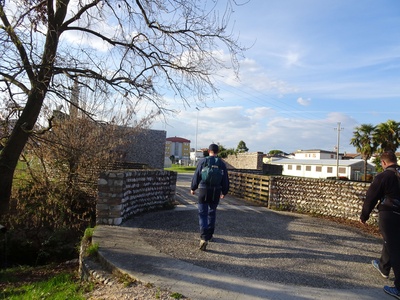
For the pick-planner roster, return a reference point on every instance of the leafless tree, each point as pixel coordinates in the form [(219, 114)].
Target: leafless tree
[(133, 50)]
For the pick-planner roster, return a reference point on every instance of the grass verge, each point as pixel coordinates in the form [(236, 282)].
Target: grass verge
[(45, 282), (181, 169)]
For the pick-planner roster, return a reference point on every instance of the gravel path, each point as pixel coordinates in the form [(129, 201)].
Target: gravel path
[(257, 243), (270, 246)]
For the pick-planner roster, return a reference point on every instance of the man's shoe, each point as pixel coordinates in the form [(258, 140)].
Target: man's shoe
[(375, 263), (203, 245), (392, 291)]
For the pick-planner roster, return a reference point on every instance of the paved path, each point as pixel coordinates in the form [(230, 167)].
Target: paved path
[(258, 253)]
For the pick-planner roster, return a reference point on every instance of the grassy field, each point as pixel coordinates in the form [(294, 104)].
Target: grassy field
[(46, 282), (182, 169)]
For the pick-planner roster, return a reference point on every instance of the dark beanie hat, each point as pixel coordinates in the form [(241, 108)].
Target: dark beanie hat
[(214, 148)]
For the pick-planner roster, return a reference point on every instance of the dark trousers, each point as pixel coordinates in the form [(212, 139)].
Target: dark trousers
[(389, 225), (207, 206)]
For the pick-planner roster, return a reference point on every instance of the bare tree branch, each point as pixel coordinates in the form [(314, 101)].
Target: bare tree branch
[(134, 53)]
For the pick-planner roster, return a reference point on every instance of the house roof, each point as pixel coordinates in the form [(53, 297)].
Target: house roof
[(318, 162), (314, 151), (177, 140), (351, 155)]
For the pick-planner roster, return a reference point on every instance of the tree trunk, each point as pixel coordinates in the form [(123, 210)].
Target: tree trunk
[(35, 96), (365, 170), (15, 144), (6, 178)]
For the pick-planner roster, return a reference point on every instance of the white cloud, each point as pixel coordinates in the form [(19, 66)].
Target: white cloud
[(261, 129), (254, 76), (292, 58), (304, 102)]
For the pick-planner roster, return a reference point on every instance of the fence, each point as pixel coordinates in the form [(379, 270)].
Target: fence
[(250, 187)]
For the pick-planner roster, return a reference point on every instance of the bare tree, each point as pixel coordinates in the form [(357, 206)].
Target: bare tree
[(133, 50)]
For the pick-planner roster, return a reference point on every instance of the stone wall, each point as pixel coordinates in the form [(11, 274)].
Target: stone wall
[(342, 199), (123, 193), (251, 161), (146, 146)]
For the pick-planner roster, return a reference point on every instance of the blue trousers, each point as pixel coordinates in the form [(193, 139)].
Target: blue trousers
[(207, 207)]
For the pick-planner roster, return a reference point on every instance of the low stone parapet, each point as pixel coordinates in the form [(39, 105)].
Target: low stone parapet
[(124, 193)]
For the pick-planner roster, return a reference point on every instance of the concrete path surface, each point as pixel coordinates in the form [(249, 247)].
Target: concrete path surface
[(257, 253)]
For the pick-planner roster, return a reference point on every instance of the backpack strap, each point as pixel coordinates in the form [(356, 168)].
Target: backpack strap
[(216, 161), (395, 170), (208, 159), (389, 201)]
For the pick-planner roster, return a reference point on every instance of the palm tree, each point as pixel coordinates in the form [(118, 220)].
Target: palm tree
[(364, 143), (387, 136)]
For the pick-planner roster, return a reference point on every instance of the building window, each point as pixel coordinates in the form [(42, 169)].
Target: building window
[(298, 168), (342, 170), (332, 156), (289, 167), (318, 169), (330, 170), (308, 168)]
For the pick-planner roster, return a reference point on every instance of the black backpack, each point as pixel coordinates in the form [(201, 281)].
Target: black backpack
[(212, 173), (394, 203)]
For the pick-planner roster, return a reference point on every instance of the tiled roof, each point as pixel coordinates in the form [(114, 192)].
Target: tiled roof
[(177, 140)]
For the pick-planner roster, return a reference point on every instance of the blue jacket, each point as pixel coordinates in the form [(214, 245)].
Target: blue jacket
[(198, 183)]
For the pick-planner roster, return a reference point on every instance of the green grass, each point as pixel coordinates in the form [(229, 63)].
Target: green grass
[(24, 283), (93, 250), (61, 286), (181, 169)]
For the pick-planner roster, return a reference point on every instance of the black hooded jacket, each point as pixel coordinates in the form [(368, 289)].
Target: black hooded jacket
[(385, 189)]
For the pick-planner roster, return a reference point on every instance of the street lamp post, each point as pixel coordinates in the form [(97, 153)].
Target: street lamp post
[(197, 128), (337, 150)]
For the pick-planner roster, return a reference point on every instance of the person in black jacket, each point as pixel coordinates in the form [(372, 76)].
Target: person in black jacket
[(209, 196), (385, 189)]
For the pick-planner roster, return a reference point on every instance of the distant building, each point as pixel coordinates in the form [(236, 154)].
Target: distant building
[(196, 155), (317, 163), (316, 154), (178, 147), (351, 169)]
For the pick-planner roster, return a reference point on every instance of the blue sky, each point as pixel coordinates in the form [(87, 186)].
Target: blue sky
[(313, 64)]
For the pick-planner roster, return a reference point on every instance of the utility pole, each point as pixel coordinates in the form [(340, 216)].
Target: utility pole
[(337, 149), (197, 128)]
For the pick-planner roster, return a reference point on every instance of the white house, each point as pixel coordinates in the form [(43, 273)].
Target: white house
[(352, 169), (196, 155), (316, 154)]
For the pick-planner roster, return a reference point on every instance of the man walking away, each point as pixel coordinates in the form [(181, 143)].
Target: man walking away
[(385, 189), (211, 178)]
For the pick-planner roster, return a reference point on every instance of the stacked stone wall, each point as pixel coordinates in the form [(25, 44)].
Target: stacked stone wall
[(123, 194), (332, 198), (146, 146), (251, 161), (340, 199)]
